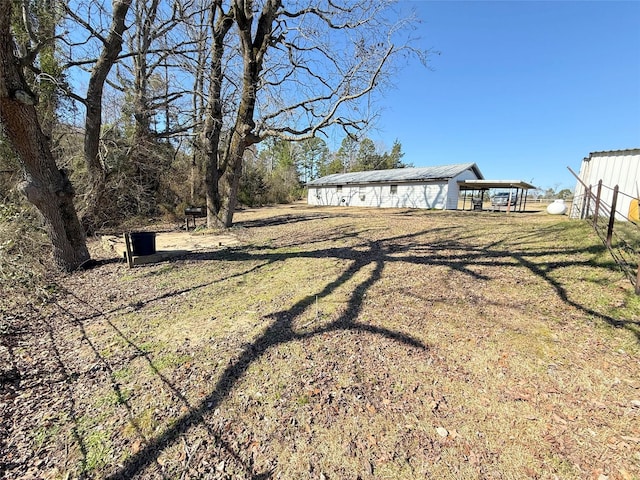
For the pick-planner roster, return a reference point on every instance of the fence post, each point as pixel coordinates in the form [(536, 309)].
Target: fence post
[(612, 216), (586, 201), (596, 212)]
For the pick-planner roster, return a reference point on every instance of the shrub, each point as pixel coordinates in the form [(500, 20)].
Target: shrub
[(25, 251)]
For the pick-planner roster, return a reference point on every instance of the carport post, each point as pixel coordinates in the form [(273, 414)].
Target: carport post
[(519, 198)]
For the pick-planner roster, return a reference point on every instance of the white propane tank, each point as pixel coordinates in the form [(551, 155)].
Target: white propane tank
[(557, 207)]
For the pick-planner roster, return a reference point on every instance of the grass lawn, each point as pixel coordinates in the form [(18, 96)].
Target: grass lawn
[(337, 343)]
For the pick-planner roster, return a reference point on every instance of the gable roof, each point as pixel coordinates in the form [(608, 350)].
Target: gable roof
[(443, 172)]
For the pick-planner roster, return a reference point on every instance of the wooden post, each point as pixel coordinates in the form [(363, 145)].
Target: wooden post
[(586, 201), (128, 253), (596, 212), (612, 216)]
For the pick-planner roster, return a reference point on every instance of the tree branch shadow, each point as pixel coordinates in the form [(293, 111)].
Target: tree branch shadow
[(280, 332), (459, 256)]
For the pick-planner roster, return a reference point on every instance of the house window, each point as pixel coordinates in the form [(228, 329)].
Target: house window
[(338, 188), (394, 189)]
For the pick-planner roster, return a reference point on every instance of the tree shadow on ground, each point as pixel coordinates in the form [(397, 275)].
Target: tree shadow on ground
[(281, 331), (454, 252)]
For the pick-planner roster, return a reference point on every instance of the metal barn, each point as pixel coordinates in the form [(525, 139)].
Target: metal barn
[(428, 187), (617, 167)]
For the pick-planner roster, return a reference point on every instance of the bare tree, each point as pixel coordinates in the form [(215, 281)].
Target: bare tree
[(152, 96), (220, 22), (305, 67), (111, 41), (199, 34), (271, 69), (47, 187)]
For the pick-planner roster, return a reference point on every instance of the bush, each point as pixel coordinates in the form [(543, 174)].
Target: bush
[(25, 251)]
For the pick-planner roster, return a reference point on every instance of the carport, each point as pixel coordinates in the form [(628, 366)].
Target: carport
[(478, 188)]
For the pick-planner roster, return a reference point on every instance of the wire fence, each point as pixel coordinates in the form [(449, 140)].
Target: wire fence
[(619, 230)]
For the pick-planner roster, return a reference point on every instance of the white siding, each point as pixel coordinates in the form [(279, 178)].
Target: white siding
[(408, 195), (454, 189), (435, 194), (613, 168)]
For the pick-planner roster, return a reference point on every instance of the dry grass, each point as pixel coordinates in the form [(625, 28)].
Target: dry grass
[(341, 343)]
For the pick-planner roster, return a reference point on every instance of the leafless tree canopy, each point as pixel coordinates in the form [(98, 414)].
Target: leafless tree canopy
[(150, 81)]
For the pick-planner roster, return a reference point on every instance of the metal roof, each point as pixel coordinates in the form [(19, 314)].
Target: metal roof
[(443, 172), (628, 151), (486, 184)]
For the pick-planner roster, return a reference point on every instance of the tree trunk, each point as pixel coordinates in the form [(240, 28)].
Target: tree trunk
[(220, 24), (232, 181), (243, 135), (93, 119), (241, 138), (45, 186)]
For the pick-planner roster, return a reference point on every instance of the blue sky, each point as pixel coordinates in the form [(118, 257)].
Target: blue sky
[(523, 89)]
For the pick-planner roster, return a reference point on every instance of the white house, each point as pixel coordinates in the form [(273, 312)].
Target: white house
[(428, 187), (618, 167)]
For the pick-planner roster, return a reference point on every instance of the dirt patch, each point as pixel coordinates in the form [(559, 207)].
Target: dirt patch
[(174, 244)]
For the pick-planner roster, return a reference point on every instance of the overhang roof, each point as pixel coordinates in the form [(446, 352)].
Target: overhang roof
[(443, 172), (486, 184)]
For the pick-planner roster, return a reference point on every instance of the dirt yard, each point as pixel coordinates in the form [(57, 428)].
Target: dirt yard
[(331, 343)]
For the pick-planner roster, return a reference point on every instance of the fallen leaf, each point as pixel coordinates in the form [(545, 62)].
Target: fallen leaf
[(558, 419), (135, 446)]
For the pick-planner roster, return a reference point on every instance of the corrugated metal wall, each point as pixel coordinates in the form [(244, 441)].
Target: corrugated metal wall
[(620, 168)]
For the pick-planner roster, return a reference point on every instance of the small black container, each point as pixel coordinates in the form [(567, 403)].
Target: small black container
[(143, 243)]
